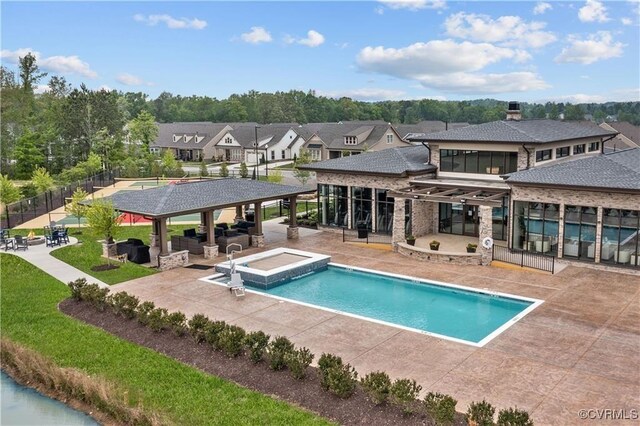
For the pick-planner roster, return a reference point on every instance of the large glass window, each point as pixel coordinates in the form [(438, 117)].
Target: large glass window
[(459, 219), (620, 230), (384, 212), (594, 146), (543, 155), (535, 227), (361, 202), (333, 202), (484, 162), (563, 151), (580, 232), (500, 220)]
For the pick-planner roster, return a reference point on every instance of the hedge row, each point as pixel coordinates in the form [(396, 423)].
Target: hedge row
[(335, 376)]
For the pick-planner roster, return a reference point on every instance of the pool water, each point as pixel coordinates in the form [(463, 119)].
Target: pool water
[(450, 312)]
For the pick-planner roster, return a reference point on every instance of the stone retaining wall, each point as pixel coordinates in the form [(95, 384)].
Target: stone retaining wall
[(439, 256), (173, 260)]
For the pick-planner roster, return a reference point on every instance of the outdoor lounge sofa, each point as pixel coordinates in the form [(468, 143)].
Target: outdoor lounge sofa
[(232, 237), (245, 227), (192, 244), (135, 249)]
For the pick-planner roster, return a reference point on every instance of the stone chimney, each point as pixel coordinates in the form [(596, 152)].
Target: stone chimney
[(513, 112)]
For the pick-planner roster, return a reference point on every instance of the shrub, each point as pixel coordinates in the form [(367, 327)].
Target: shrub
[(178, 323), (403, 393), (481, 413), (124, 304), (76, 288), (231, 340), (325, 363), (278, 350), (377, 385), (95, 295), (256, 342), (244, 171), (441, 407), (342, 380), (297, 361), (143, 311), (158, 319), (212, 333), (198, 327), (514, 417)]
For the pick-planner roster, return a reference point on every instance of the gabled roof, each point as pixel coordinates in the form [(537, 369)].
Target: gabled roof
[(524, 131), (426, 126), (182, 198), (400, 161), (166, 132), (618, 170), (269, 133), (628, 130)]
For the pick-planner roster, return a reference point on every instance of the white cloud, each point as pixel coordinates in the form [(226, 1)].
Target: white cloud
[(171, 22), (131, 80), (256, 35), (541, 7), (414, 4), (314, 39), (617, 95), (596, 47), (593, 11), (626, 21), (451, 66), (59, 64), (507, 30), (365, 94), (41, 88), (434, 57), (105, 87), (379, 10)]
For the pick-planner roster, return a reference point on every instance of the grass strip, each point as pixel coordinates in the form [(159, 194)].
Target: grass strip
[(186, 395)]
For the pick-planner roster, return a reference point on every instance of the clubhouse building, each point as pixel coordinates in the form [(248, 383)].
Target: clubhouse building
[(536, 186)]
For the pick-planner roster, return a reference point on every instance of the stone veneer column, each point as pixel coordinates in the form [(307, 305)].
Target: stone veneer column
[(435, 155), (422, 220), (398, 223), (522, 158), (292, 229), (349, 202), (598, 242), (486, 230), (109, 250), (211, 249), (560, 230), (257, 240)]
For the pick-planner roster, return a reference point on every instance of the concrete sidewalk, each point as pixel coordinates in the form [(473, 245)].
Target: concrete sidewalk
[(40, 256)]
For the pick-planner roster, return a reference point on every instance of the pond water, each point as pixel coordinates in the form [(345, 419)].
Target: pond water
[(20, 405)]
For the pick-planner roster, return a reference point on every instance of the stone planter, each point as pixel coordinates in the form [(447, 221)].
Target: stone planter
[(471, 250), (434, 247), (411, 242)]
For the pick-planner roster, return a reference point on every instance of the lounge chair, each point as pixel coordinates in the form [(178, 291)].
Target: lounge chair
[(236, 285), (21, 243), (51, 240)]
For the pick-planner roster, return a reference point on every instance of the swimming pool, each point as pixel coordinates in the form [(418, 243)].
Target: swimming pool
[(444, 310)]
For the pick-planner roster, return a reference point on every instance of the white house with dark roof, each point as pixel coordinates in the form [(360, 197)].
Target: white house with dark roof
[(539, 186), (191, 141), (275, 142)]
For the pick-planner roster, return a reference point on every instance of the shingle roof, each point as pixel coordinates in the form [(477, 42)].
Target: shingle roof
[(205, 130), (173, 199), (618, 170), (245, 134), (627, 129), (393, 161), (525, 131)]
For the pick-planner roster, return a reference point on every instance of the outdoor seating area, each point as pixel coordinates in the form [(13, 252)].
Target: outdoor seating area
[(52, 237), (133, 250), (56, 235)]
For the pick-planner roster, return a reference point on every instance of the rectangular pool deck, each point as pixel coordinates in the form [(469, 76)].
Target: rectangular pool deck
[(578, 350)]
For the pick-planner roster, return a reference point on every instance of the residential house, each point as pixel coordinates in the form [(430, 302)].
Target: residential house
[(628, 136), (275, 142), (189, 141)]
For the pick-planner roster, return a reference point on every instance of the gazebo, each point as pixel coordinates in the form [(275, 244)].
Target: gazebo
[(204, 197)]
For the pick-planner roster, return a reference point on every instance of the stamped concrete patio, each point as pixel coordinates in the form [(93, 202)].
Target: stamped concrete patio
[(578, 350)]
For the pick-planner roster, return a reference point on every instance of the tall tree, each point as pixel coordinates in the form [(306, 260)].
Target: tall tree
[(41, 179), (30, 74), (9, 192), (143, 128)]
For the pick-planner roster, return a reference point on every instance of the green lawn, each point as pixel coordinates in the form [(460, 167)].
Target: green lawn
[(30, 317), (89, 253)]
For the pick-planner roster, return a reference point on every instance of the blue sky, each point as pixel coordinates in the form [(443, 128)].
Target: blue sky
[(572, 51)]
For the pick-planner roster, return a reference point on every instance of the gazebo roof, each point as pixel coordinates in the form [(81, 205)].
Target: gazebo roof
[(192, 197)]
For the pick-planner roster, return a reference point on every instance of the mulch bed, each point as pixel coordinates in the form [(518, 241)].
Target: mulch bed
[(100, 268), (307, 393)]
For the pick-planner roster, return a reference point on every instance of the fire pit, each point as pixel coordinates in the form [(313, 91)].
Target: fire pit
[(35, 241)]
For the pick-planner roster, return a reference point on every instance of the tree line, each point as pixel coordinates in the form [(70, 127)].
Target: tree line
[(61, 126)]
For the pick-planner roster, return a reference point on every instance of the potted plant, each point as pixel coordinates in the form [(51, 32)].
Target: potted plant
[(471, 248), (411, 240), (434, 245)]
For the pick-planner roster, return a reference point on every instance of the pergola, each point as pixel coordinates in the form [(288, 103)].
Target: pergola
[(447, 194), (204, 197)]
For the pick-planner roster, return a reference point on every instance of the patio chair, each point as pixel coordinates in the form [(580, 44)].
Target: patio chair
[(236, 285), (21, 243), (51, 240), (63, 236), (6, 240)]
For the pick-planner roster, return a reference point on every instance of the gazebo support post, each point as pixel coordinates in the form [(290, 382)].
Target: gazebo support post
[(211, 249), (164, 244), (169, 260), (238, 217), (257, 240), (292, 230)]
